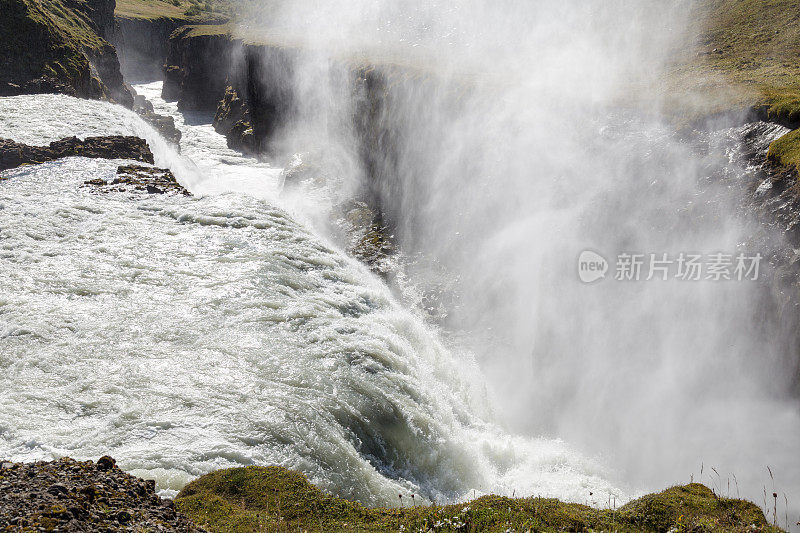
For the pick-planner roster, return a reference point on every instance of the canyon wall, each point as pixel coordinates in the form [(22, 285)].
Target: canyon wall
[(60, 47)]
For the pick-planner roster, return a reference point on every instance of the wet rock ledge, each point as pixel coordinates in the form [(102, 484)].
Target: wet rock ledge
[(141, 179), (69, 495), (14, 154)]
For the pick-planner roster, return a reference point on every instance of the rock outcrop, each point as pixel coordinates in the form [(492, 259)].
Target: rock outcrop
[(141, 179), (60, 46), (248, 86), (142, 33), (68, 495), (14, 154), (197, 67), (234, 120), (163, 124), (142, 45)]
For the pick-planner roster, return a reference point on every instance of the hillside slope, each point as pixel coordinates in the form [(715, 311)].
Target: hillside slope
[(59, 46), (750, 50)]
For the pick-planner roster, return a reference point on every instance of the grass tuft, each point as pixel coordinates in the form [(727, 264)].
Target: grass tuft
[(275, 499)]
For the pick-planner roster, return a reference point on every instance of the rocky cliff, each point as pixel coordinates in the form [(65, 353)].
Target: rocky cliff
[(60, 46), (143, 43), (250, 86), (199, 61)]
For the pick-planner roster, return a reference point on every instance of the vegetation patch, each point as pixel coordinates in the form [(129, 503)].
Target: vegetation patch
[(749, 48), (190, 11), (35, 43), (785, 152), (276, 499)]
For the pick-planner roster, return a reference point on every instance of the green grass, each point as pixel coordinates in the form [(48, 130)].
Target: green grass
[(755, 43), (785, 152), (190, 11), (206, 29), (272, 499), (46, 41)]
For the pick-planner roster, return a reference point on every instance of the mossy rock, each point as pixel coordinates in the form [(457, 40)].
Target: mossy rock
[(783, 106), (785, 151), (61, 41), (32, 46), (276, 499)]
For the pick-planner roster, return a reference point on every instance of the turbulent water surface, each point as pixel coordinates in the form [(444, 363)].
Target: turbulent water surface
[(181, 335)]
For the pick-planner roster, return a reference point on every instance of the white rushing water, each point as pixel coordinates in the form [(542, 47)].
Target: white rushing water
[(181, 335), (508, 138)]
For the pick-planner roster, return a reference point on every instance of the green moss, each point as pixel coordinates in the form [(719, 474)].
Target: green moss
[(46, 39), (783, 105), (785, 152), (275, 499)]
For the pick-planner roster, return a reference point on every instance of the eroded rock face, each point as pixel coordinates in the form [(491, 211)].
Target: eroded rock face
[(196, 68), (59, 46), (69, 495), (141, 179), (165, 125), (370, 238), (14, 154), (248, 86), (43, 85), (233, 120)]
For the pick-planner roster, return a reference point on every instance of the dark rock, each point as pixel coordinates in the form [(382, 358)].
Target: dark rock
[(13, 154), (43, 85), (89, 492), (57, 489), (197, 66), (161, 123), (143, 179), (242, 137), (142, 105), (142, 43), (88, 499), (231, 110), (370, 238), (106, 463), (248, 86), (165, 126)]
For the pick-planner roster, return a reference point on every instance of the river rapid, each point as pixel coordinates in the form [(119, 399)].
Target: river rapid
[(186, 334)]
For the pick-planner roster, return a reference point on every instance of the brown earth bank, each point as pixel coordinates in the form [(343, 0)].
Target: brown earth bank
[(14, 154), (69, 495)]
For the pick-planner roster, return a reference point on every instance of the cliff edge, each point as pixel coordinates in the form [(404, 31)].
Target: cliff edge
[(60, 46)]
